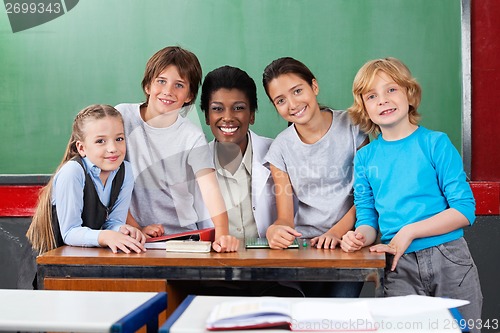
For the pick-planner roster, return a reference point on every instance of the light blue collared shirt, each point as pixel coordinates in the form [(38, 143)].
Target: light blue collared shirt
[(67, 195)]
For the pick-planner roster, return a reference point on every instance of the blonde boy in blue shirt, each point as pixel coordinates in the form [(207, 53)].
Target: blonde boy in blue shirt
[(410, 185)]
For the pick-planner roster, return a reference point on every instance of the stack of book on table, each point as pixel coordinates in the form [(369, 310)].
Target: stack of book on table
[(190, 241)]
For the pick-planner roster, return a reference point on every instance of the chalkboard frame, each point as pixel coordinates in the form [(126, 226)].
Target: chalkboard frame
[(466, 88)]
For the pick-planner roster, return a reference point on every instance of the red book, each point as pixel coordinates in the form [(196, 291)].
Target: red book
[(207, 234)]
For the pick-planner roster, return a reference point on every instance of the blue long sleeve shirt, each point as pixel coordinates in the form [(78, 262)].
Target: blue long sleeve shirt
[(67, 195), (409, 180)]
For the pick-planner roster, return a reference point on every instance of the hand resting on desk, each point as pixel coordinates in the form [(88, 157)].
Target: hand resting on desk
[(122, 240), (352, 241), (281, 236), (226, 243), (326, 241)]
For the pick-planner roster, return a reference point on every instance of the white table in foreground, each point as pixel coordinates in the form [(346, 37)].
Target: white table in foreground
[(79, 311), (191, 315)]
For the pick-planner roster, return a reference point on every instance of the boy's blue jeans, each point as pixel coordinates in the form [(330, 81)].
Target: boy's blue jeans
[(446, 270)]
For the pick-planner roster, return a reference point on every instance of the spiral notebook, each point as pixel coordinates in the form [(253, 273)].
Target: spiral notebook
[(262, 243)]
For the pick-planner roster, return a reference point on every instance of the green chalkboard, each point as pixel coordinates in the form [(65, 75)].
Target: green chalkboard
[(96, 53)]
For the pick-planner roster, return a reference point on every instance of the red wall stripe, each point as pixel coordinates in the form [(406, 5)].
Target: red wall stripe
[(485, 71), (18, 201), (487, 195)]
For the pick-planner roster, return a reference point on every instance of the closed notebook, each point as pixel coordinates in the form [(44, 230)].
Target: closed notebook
[(158, 243), (307, 315), (187, 246)]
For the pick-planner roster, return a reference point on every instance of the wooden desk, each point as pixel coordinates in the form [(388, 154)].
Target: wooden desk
[(79, 311), (66, 264), (192, 314)]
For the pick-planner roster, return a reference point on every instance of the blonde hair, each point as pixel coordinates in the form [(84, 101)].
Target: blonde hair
[(40, 233), (363, 81)]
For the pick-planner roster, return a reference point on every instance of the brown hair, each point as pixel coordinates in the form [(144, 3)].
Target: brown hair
[(362, 83), (186, 62), (40, 232), (286, 65)]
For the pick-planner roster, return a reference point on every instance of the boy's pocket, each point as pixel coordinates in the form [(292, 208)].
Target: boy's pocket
[(457, 252)]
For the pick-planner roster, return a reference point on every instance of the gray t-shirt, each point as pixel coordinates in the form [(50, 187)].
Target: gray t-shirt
[(321, 173), (164, 162)]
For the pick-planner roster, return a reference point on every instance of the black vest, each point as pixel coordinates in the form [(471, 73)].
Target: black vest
[(94, 213)]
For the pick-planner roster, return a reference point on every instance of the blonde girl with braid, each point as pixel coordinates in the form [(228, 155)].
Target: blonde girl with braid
[(86, 202)]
